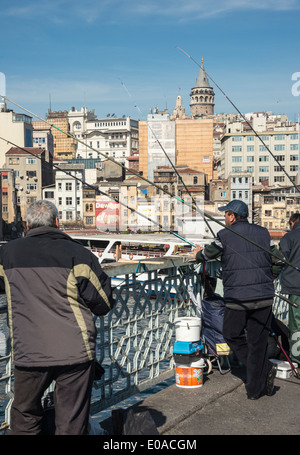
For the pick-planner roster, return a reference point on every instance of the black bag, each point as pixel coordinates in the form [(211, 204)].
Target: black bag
[(128, 422)]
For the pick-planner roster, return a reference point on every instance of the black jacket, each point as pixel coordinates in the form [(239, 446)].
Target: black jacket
[(246, 268), (290, 248), (53, 286)]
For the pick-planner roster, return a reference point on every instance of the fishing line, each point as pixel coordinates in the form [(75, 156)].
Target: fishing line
[(244, 118), (156, 186)]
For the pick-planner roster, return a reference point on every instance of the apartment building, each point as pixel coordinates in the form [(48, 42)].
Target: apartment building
[(16, 128), (69, 194), (114, 137), (32, 173), (274, 206), (244, 151)]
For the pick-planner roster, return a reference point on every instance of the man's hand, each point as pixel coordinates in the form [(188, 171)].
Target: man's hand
[(197, 249)]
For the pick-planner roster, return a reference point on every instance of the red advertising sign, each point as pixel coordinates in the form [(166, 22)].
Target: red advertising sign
[(107, 214)]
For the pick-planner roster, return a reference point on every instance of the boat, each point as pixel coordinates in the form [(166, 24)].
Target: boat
[(109, 247)]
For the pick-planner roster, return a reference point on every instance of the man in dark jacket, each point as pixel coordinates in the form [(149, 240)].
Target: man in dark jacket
[(290, 282), (53, 286), (248, 294)]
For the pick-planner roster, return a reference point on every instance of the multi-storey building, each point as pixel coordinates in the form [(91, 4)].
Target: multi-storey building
[(112, 137), (272, 207), (32, 172), (9, 202), (244, 151), (64, 145), (186, 142), (16, 128), (69, 196)]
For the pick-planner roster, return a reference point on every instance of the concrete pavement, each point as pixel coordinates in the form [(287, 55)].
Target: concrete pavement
[(220, 407)]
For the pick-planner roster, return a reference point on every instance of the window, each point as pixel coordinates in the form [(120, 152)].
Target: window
[(263, 168), (264, 158), (30, 160), (195, 180), (236, 159), (294, 147), (68, 186), (89, 220), (294, 157), (69, 215), (250, 168), (60, 201), (236, 168), (68, 201), (293, 168), (262, 148), (250, 159), (250, 138), (264, 137), (237, 138), (279, 137), (30, 174), (31, 187), (250, 148), (49, 194), (294, 136), (279, 148), (236, 149)]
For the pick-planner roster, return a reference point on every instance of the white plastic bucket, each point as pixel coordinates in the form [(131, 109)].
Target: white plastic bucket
[(190, 376), (187, 329)]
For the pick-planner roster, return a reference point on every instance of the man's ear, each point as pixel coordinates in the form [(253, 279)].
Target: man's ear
[(57, 222)]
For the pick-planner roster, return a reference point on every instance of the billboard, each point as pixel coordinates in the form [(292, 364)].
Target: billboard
[(107, 214)]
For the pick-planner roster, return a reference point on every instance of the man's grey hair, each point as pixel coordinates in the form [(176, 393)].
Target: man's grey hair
[(42, 213)]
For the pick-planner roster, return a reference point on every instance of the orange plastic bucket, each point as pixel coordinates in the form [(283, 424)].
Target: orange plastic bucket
[(191, 375)]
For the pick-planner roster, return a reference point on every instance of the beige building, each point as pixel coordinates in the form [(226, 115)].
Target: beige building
[(64, 146), (32, 172), (16, 128), (9, 207), (274, 206), (187, 142)]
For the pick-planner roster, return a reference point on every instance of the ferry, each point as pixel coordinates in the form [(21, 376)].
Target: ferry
[(109, 247)]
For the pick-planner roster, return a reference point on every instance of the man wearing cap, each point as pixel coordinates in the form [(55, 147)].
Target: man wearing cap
[(248, 293)]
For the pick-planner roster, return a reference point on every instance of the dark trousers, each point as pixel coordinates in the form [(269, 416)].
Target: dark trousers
[(72, 397), (246, 333)]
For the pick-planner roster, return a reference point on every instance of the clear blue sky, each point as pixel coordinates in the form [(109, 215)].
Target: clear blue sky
[(121, 57)]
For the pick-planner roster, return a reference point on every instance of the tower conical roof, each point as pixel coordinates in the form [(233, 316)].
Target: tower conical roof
[(202, 79)]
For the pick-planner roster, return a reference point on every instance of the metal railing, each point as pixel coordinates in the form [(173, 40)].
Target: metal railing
[(135, 340)]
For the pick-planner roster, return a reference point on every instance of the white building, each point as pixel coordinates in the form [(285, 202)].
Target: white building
[(114, 137), (244, 151), (68, 192)]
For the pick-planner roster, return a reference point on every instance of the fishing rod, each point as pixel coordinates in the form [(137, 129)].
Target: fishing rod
[(203, 214), (244, 118)]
